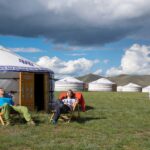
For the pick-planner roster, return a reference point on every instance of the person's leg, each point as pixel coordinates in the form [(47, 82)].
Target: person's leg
[(24, 111), (65, 109), (6, 111), (56, 113), (57, 106)]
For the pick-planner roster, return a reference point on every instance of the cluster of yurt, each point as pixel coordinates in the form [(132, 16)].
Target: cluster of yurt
[(30, 84), (102, 84), (69, 83)]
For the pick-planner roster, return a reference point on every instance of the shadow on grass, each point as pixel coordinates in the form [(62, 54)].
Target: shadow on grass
[(89, 108), (38, 121), (20, 120), (86, 119)]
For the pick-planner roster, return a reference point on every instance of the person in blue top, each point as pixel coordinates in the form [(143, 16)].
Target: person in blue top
[(7, 105)]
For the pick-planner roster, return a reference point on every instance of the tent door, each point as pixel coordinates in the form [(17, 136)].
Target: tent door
[(39, 91), (26, 86)]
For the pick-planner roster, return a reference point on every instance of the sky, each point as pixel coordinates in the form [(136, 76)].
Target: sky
[(74, 38)]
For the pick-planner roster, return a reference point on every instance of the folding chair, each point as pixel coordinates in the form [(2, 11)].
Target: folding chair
[(76, 109), (1, 118), (71, 114), (77, 95), (13, 113)]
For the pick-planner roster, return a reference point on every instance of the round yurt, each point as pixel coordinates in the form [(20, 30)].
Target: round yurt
[(146, 89), (102, 85), (119, 88), (30, 84), (69, 83), (131, 87)]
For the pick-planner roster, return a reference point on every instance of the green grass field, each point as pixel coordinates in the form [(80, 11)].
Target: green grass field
[(113, 121)]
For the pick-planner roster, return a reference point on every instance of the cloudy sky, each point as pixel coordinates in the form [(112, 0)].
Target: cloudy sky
[(74, 37)]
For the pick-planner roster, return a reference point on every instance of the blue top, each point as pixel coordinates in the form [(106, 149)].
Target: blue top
[(6, 100)]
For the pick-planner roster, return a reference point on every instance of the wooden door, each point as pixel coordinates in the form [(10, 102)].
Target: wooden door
[(26, 86), (46, 91)]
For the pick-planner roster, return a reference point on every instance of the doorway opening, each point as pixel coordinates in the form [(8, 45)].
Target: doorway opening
[(39, 91)]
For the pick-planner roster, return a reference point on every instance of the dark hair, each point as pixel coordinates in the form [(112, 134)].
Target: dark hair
[(72, 93), (70, 90)]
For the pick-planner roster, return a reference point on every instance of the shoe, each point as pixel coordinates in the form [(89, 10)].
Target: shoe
[(7, 123), (31, 122), (53, 122)]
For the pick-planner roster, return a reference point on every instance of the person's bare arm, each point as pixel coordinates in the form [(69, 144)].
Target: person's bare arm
[(75, 104)]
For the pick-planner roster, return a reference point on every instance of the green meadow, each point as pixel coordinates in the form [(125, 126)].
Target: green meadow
[(113, 121)]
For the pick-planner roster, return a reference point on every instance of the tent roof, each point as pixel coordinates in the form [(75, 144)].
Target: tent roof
[(102, 81), (69, 80), (9, 61), (132, 85), (147, 87)]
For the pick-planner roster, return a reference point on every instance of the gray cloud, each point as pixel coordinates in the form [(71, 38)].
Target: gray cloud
[(75, 22)]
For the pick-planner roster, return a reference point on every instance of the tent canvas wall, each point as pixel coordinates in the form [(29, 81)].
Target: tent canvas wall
[(119, 88), (30, 83), (102, 85), (131, 87), (146, 89), (69, 83)]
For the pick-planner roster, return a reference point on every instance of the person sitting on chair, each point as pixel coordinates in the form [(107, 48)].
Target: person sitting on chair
[(7, 105), (64, 105)]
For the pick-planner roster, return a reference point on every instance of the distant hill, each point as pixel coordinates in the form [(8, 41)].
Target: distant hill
[(89, 78), (143, 80)]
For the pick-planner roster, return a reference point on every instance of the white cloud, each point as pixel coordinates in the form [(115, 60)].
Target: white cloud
[(136, 60), (63, 68), (106, 61), (26, 50), (98, 72), (76, 54)]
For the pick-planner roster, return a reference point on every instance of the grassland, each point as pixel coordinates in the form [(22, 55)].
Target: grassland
[(113, 121)]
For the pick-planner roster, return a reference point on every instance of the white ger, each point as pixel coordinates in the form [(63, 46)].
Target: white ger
[(69, 83), (102, 84), (30, 84), (132, 87)]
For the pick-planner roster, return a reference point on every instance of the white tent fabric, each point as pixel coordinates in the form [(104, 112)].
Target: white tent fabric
[(101, 85), (10, 66), (10, 84), (9, 80), (9, 61), (146, 89), (102, 81), (119, 88), (131, 87), (69, 83)]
